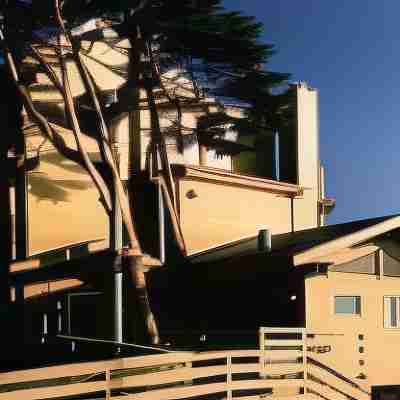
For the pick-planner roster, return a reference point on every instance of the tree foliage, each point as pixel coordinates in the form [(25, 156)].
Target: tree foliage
[(217, 52)]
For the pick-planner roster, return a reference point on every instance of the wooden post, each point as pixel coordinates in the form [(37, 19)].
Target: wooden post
[(229, 377), (188, 382), (381, 272), (305, 364), (108, 379), (262, 353)]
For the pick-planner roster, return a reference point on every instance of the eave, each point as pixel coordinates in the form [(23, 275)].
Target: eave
[(328, 249), (223, 177)]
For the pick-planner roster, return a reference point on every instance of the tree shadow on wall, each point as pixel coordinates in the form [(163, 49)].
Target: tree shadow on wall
[(43, 188), (56, 159)]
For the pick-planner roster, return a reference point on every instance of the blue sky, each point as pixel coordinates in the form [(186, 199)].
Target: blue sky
[(350, 52)]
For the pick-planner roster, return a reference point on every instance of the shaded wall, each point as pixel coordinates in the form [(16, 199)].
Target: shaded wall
[(237, 295)]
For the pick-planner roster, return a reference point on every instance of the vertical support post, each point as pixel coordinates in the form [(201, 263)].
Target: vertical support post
[(188, 382), (118, 327), (59, 317), (161, 223), (262, 352), (305, 364), (117, 243), (45, 330), (12, 215), (292, 214), (108, 381), (380, 255), (229, 377)]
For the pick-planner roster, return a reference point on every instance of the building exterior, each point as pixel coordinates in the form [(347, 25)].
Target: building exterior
[(229, 251)]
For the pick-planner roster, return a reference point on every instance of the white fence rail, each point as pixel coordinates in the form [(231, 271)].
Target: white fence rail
[(279, 368)]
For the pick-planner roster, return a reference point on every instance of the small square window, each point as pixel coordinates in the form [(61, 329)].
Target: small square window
[(348, 305)]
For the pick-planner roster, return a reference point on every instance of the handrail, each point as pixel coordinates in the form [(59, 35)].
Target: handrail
[(106, 341), (319, 378), (190, 374), (337, 374)]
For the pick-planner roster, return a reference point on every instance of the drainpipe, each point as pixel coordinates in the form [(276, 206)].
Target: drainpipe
[(117, 244), (275, 155)]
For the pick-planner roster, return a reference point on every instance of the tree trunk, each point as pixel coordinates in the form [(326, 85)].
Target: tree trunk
[(135, 265)]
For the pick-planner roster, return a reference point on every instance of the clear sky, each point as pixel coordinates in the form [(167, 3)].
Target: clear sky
[(350, 51)]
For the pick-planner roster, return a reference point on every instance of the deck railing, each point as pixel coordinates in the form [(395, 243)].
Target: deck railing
[(280, 367), (284, 351)]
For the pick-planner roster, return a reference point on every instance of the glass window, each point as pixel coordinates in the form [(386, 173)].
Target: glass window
[(348, 305), (391, 306)]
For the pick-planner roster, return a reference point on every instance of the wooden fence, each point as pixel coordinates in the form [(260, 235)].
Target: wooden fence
[(280, 368)]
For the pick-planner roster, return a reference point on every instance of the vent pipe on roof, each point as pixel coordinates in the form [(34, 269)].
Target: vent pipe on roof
[(264, 240)]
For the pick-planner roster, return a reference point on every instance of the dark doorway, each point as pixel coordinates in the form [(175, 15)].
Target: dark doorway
[(386, 392)]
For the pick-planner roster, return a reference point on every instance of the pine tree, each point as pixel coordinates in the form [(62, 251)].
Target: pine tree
[(197, 37)]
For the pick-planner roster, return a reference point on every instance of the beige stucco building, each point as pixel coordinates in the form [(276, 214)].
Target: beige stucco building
[(339, 284)]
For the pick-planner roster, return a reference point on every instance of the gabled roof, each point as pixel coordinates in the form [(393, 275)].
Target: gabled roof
[(365, 231), (307, 246)]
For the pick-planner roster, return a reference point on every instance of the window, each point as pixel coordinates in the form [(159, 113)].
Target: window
[(348, 305), (391, 306)]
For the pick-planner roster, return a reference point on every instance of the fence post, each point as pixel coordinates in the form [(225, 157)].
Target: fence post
[(108, 385), (229, 377), (305, 364), (262, 353), (189, 381)]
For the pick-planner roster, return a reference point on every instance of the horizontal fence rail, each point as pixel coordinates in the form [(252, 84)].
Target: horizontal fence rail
[(280, 368)]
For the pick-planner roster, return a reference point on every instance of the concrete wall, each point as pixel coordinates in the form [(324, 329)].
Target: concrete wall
[(380, 346)]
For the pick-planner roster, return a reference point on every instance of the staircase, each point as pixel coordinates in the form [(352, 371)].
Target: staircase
[(283, 356)]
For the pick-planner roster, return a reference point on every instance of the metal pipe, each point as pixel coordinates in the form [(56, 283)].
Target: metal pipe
[(59, 317), (118, 276), (118, 327), (12, 213), (161, 224), (276, 156)]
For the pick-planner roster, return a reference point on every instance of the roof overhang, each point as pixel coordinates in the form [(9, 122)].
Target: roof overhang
[(346, 246), (223, 177)]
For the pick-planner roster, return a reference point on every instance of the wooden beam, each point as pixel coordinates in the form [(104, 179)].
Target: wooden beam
[(223, 177), (316, 252)]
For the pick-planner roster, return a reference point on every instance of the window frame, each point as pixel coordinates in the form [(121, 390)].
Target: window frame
[(385, 326), (353, 314)]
